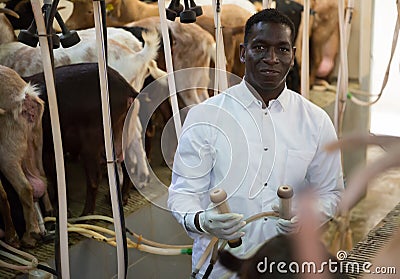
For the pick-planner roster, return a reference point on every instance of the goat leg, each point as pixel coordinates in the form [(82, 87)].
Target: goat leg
[(13, 172), (11, 236), (92, 183)]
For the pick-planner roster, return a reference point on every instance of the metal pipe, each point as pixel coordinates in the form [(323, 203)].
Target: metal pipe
[(220, 76), (105, 104), (55, 126), (170, 68), (305, 60)]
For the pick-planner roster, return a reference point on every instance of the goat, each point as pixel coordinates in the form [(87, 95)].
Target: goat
[(23, 7), (10, 233), (125, 53), (324, 39), (125, 12), (21, 150), (191, 47), (78, 97)]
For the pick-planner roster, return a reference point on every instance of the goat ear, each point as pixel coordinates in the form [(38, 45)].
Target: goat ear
[(230, 261), (116, 5)]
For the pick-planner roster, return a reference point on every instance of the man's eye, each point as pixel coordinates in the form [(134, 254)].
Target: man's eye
[(259, 47), (284, 49)]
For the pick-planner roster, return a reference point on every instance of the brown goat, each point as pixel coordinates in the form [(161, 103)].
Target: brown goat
[(78, 97), (21, 147)]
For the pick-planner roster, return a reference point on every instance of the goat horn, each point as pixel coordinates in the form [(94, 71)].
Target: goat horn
[(2, 111), (9, 12)]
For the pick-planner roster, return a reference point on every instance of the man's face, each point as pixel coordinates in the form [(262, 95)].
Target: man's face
[(268, 55)]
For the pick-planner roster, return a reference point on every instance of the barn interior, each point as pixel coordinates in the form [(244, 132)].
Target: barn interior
[(372, 26)]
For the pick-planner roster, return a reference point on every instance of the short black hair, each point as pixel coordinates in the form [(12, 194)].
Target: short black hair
[(268, 16)]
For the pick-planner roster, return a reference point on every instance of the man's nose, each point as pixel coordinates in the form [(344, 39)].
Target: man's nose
[(270, 56)]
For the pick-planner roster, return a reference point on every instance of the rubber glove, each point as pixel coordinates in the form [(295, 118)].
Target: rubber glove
[(223, 226), (284, 226), (288, 226)]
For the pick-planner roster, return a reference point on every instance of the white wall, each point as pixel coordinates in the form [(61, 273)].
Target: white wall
[(385, 115)]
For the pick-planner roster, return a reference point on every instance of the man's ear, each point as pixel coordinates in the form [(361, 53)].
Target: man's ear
[(242, 53), (294, 56)]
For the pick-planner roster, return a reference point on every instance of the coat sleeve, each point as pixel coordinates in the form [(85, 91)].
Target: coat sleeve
[(192, 169)]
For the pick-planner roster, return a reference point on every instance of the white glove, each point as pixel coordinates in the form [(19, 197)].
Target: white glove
[(284, 226), (223, 226), (288, 226)]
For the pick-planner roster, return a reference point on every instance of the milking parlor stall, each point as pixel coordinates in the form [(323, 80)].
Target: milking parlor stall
[(93, 96)]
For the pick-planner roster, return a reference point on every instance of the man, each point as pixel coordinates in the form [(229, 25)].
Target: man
[(248, 141)]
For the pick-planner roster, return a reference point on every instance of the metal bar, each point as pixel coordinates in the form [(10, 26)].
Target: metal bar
[(55, 127), (105, 104)]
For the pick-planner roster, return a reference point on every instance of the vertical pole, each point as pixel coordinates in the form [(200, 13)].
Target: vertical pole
[(221, 80), (305, 63), (170, 68), (56, 131), (118, 219)]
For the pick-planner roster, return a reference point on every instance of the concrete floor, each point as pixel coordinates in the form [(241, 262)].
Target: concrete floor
[(382, 196)]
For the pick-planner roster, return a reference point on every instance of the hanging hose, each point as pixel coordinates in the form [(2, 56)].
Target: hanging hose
[(203, 258), (44, 41), (343, 75), (220, 76), (21, 257), (116, 199), (305, 60), (95, 232), (110, 220), (213, 260), (170, 69), (386, 77)]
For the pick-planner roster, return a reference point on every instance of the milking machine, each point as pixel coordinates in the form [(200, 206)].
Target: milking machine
[(188, 15)]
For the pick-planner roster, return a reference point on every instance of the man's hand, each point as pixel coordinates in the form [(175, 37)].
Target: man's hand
[(288, 226), (284, 226), (224, 226)]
